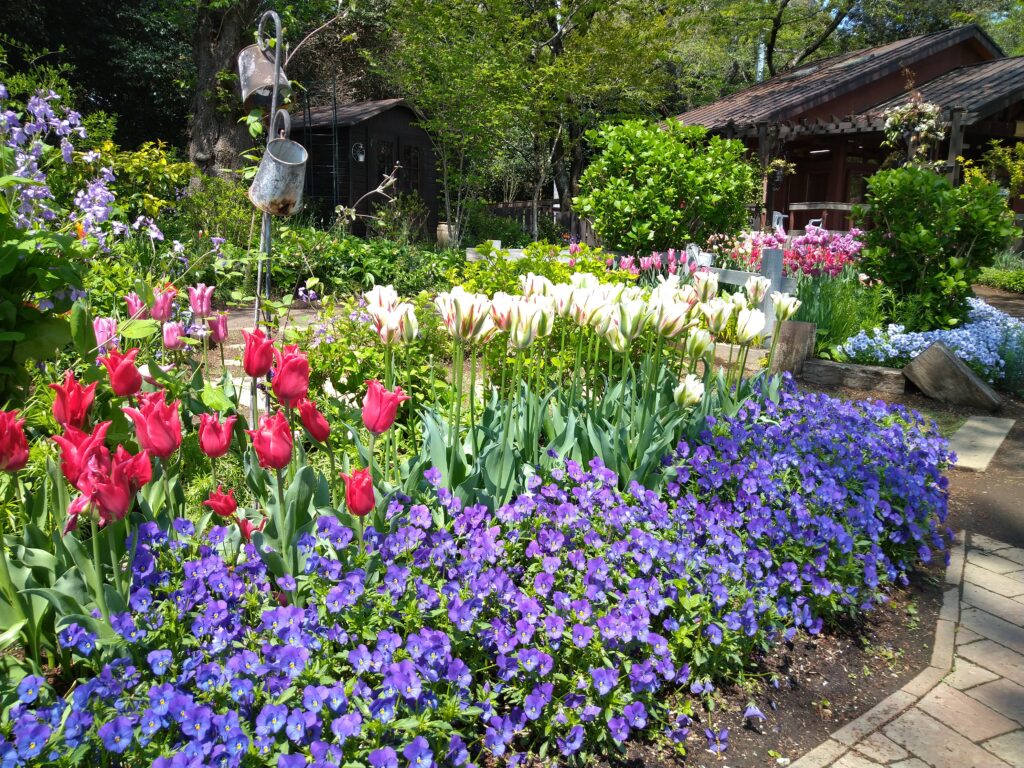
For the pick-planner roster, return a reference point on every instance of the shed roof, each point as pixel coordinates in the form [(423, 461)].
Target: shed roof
[(980, 90), (347, 114), (795, 91)]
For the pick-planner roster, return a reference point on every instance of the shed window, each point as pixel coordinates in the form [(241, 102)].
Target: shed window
[(411, 169)]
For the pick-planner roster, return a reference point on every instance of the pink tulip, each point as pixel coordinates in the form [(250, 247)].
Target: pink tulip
[(136, 306), (163, 304), (174, 335), (105, 329), (218, 328), (200, 297)]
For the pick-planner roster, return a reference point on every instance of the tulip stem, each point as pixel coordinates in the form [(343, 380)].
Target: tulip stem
[(472, 396), (97, 571), (167, 500), (332, 485), (254, 396)]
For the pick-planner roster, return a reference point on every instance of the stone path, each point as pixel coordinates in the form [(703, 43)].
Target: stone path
[(977, 441), (967, 709)]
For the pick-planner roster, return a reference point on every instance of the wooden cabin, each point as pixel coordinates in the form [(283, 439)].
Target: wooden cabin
[(353, 147), (827, 117)]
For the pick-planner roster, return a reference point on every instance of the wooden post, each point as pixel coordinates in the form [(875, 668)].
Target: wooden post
[(771, 267), (763, 154), (956, 144)]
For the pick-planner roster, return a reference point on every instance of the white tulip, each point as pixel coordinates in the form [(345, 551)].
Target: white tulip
[(785, 306), (583, 280), (749, 324), (689, 392), (632, 318), (706, 283), (383, 296), (739, 300), (756, 289), (698, 342), (535, 285), (501, 307), (717, 313)]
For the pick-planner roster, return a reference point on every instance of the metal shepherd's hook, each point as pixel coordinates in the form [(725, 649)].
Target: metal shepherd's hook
[(265, 234)]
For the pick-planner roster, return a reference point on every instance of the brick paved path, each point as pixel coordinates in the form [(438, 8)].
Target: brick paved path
[(967, 709)]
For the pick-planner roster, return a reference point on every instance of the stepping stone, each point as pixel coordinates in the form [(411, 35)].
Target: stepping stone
[(964, 714), (937, 744), (977, 441), (941, 375), (1003, 696)]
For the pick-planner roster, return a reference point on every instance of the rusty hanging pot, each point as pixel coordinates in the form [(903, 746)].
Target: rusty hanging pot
[(256, 74), (277, 188)]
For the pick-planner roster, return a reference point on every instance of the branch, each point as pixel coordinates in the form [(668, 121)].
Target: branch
[(841, 14), (773, 38), (318, 30)]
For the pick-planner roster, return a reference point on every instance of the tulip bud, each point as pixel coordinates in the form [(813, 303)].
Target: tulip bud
[(71, 406), (314, 421), (501, 310), (291, 377), (259, 353), (535, 285), (136, 307), (157, 424), (689, 392)]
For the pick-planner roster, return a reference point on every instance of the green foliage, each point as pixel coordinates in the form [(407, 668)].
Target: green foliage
[(32, 266), (1006, 279), (652, 187), (344, 352), (215, 207), (481, 225), (927, 241), (147, 180), (839, 307), (403, 219), (1005, 165)]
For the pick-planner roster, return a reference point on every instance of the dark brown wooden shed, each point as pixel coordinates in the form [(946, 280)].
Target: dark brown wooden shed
[(352, 147), (827, 117)]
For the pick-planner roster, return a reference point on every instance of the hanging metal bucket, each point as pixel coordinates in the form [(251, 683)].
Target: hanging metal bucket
[(277, 188), (256, 74)]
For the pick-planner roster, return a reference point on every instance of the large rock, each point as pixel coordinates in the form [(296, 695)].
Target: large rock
[(796, 345), (870, 378), (940, 374)]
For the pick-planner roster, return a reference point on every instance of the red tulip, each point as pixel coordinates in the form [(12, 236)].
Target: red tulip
[(73, 401), (13, 446), (247, 529), (80, 506), (259, 353), (381, 406), (221, 503), (157, 424), (214, 436), (108, 485), (125, 378), (272, 441), (291, 378), (314, 421), (359, 492), (77, 447)]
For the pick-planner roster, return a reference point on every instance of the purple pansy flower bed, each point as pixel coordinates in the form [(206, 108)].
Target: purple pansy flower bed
[(563, 624)]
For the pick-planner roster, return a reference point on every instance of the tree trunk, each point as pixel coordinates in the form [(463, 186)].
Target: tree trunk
[(216, 138)]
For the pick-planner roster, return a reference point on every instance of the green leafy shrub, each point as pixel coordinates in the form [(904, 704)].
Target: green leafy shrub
[(653, 187), (1006, 279), (482, 225), (928, 240), (216, 207), (404, 219), (839, 307)]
